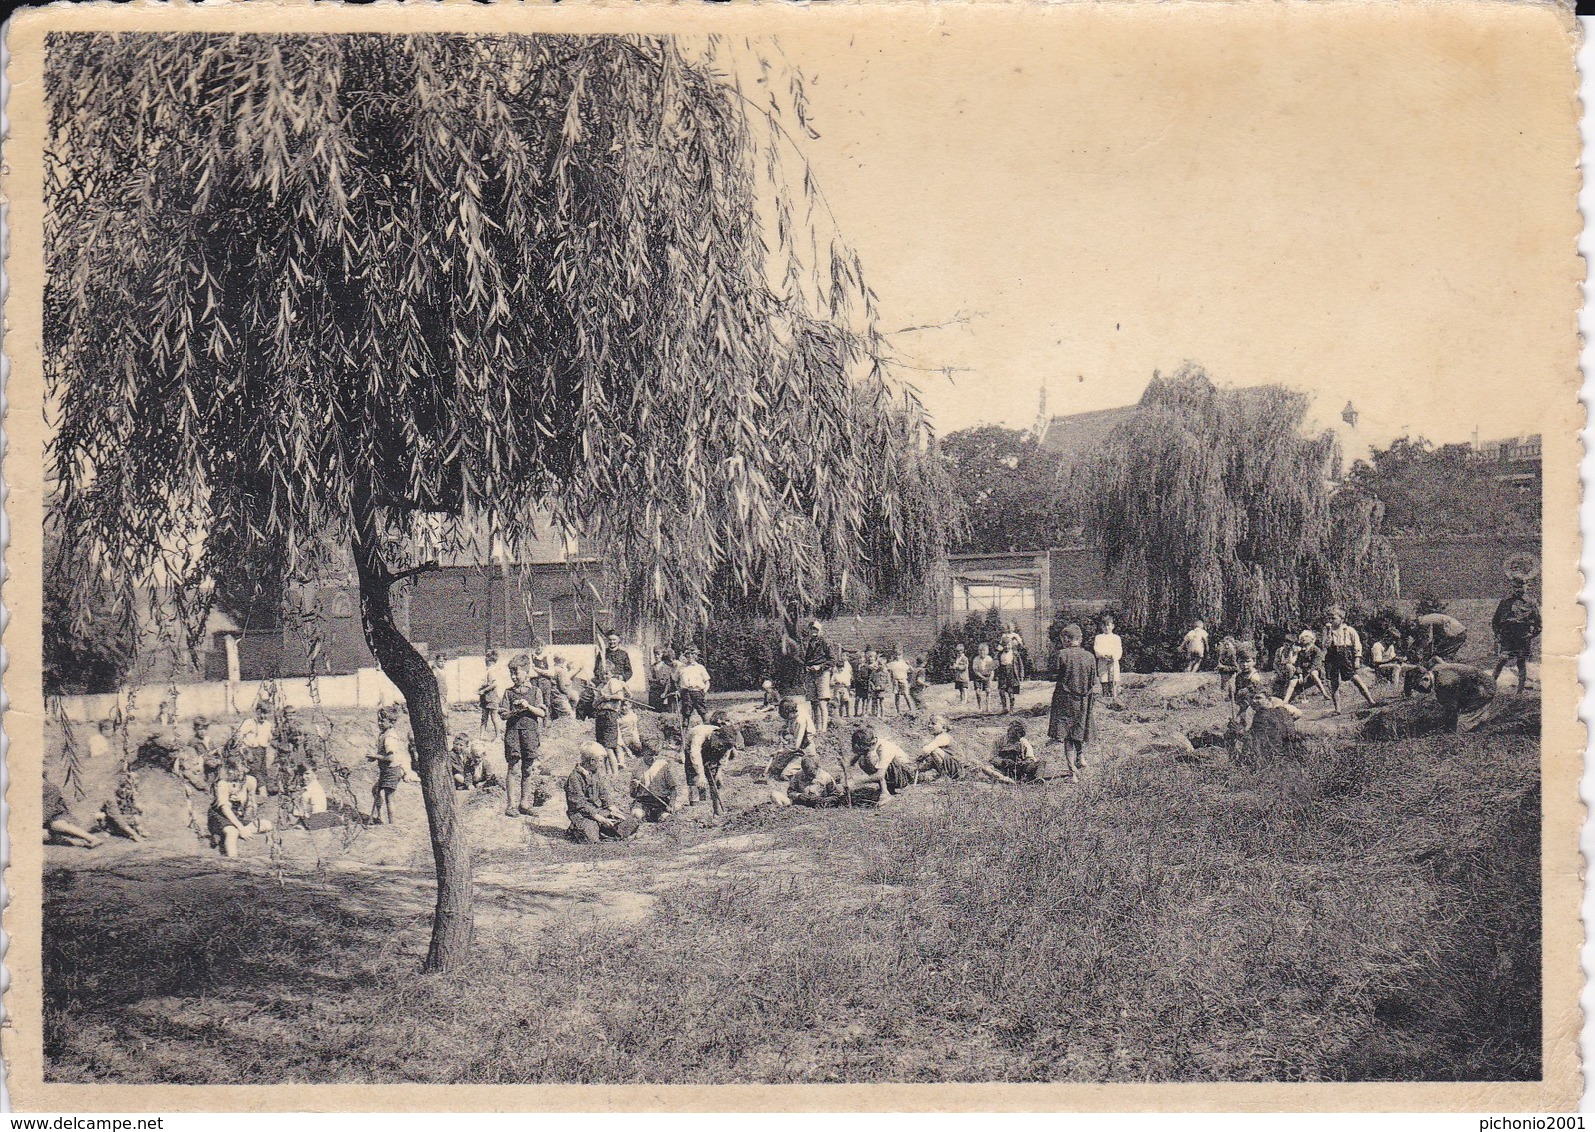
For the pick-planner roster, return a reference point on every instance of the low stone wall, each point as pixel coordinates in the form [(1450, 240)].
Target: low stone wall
[(366, 689)]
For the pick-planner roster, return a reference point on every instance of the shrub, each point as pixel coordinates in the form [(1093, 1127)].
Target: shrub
[(739, 652), (92, 656), (939, 660)]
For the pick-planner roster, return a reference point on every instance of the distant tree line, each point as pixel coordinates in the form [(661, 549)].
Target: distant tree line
[(1447, 489)]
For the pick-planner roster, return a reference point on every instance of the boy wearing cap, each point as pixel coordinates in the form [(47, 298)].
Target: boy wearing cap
[(818, 660), (1516, 623)]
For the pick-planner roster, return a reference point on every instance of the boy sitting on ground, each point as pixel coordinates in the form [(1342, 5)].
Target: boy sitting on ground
[(1015, 756), (938, 756), (119, 816), (468, 764), (590, 804), (1264, 723), (811, 786), (60, 827)]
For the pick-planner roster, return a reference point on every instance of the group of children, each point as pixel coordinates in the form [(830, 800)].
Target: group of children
[(540, 689), (861, 684), (265, 766), (876, 767), (996, 670)]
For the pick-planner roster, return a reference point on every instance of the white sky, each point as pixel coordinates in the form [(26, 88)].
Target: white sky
[(1360, 216)]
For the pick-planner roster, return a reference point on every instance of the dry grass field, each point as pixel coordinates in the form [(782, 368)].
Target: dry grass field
[(1366, 910)]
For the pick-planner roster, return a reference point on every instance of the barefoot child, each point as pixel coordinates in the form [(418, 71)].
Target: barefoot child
[(391, 755), (1516, 623), (611, 709), (842, 686), (983, 670), (1309, 665), (897, 669), (1343, 657), (1073, 698), (960, 668), (60, 827), (232, 810), (940, 757)]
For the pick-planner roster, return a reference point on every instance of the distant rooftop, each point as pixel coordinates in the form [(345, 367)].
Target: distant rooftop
[(1078, 434), (1514, 449)]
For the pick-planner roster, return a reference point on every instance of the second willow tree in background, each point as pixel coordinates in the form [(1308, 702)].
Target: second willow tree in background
[(1214, 503)]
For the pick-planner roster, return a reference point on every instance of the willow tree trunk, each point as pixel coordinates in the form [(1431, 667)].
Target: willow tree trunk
[(451, 854)]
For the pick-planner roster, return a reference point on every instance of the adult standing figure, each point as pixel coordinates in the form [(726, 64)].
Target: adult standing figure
[(663, 693), (818, 660), (1516, 623), (612, 660), (1073, 697)]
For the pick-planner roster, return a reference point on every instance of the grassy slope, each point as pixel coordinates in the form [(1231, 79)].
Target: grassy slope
[(1368, 912)]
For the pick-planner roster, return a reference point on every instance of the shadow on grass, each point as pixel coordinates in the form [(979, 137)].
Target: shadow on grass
[(1365, 911)]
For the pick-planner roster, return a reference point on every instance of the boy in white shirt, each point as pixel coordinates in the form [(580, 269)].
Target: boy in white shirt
[(693, 681), (1194, 647), (842, 687), (253, 740), (897, 669), (1108, 648)]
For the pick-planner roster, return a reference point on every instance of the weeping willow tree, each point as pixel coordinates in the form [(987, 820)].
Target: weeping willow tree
[(363, 297), (1214, 503)]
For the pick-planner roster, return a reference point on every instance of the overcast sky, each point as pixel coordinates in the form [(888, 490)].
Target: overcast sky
[(1363, 216)]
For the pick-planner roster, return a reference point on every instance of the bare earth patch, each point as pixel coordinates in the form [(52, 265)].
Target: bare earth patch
[(1366, 909)]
